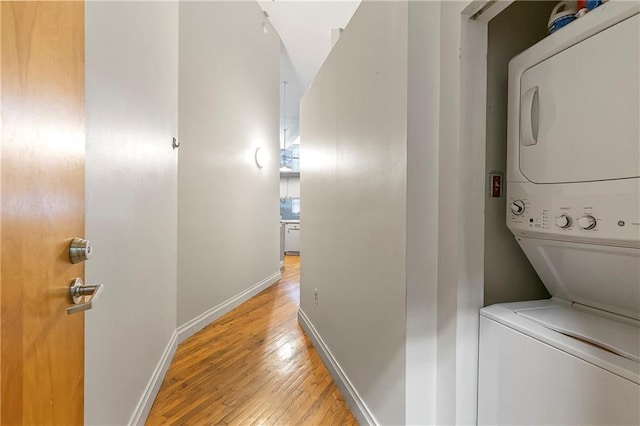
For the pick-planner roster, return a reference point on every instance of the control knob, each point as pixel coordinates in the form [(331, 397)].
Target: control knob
[(517, 207), (587, 222), (563, 221)]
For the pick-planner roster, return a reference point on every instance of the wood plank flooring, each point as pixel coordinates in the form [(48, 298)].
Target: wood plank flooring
[(252, 366)]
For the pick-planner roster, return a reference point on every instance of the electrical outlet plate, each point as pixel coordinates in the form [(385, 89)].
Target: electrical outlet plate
[(315, 295)]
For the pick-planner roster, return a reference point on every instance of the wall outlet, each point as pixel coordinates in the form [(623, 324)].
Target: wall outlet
[(315, 296)]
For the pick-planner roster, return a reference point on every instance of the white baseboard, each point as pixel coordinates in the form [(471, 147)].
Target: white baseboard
[(282, 263), (190, 328), (143, 408), (351, 396)]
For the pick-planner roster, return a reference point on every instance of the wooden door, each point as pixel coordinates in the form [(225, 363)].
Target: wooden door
[(42, 208)]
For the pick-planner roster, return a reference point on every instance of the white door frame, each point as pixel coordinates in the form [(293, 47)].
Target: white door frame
[(471, 200)]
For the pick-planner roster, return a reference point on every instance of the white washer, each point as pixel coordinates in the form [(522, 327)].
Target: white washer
[(573, 188), (533, 372)]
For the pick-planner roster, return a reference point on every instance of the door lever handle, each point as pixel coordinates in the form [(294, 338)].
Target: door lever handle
[(77, 290)]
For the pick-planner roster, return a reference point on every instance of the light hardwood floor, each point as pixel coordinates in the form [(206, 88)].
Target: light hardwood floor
[(252, 366)]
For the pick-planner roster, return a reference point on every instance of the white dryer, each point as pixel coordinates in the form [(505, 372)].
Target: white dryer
[(573, 188)]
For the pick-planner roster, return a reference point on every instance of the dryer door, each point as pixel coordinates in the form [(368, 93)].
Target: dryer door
[(579, 110)]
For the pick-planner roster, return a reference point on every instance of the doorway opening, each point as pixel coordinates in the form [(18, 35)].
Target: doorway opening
[(491, 34)]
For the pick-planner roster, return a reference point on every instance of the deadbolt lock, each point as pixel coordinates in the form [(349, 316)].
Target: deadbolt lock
[(79, 250)]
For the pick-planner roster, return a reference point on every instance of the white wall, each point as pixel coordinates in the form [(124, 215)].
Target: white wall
[(131, 199), (508, 275), (448, 222), (422, 212), (353, 183), (228, 235)]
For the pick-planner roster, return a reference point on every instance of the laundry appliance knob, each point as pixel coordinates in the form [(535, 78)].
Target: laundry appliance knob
[(563, 221), (517, 207), (587, 222)]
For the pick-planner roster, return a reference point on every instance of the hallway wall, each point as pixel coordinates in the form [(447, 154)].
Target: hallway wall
[(445, 194), (422, 214), (131, 199), (228, 234), (227, 239), (353, 182)]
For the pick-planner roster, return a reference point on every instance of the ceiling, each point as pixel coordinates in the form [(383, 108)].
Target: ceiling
[(304, 27)]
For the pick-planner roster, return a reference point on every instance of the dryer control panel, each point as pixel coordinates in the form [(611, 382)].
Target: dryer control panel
[(592, 212)]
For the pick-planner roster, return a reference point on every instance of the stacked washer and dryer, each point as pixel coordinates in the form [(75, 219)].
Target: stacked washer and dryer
[(573, 191)]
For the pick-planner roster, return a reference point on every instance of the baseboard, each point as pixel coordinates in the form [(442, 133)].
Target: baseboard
[(282, 263), (201, 321), (351, 396), (149, 395)]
